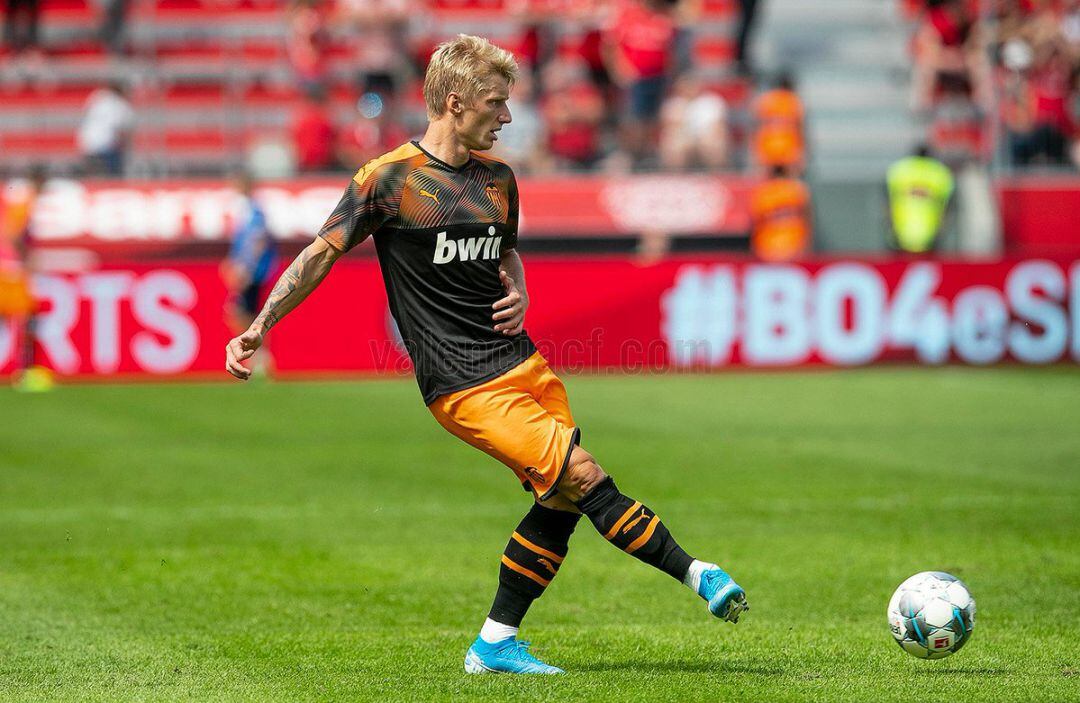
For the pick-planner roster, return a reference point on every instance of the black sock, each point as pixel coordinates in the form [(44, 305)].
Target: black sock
[(633, 528), (531, 559)]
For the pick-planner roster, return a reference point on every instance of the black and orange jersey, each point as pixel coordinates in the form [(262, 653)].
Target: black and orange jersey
[(439, 233)]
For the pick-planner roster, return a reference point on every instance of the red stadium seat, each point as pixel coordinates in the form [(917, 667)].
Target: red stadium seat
[(37, 144), (45, 97), (68, 11)]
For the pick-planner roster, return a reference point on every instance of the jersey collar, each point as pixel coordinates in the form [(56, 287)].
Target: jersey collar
[(439, 161)]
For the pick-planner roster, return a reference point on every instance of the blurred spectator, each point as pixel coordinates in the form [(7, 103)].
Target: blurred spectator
[(693, 127), (949, 43), (957, 130), (919, 190), (638, 50), (1051, 81), (374, 130), (1044, 24), (106, 130), (313, 133), (591, 51), (778, 139), (251, 258), (687, 15), (21, 24), (16, 297), (113, 20), (521, 142), (1035, 103), (780, 210), (747, 14), (306, 43), (573, 112), (379, 33)]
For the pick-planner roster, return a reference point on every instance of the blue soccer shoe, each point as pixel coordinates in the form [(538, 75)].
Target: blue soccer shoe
[(727, 600), (510, 656)]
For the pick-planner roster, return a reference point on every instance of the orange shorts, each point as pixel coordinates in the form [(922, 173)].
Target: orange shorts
[(521, 418)]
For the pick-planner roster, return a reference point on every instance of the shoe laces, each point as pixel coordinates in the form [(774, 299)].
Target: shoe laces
[(520, 650)]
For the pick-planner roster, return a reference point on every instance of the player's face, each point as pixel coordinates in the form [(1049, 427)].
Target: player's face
[(486, 116)]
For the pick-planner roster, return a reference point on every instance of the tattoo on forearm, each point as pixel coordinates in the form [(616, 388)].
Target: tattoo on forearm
[(299, 279), (270, 320)]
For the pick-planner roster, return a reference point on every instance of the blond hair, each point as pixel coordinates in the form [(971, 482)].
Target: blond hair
[(466, 66)]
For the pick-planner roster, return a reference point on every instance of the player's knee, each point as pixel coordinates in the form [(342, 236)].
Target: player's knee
[(559, 502), (582, 475)]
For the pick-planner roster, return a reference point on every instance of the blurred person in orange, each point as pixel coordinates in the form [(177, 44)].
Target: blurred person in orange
[(17, 302), (779, 132), (781, 214)]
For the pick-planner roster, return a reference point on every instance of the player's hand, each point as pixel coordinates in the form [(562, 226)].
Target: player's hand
[(510, 311), (240, 349)]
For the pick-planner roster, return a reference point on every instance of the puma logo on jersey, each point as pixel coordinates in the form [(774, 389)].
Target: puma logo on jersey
[(434, 196), (470, 249)]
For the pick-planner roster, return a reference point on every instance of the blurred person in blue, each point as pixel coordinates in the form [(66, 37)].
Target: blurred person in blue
[(251, 260)]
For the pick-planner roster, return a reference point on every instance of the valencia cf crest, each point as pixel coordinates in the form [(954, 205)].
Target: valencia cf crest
[(494, 196)]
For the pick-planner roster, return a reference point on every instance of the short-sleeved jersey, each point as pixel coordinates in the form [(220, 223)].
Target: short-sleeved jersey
[(439, 233)]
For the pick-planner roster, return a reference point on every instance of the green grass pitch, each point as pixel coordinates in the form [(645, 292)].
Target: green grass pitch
[(328, 541)]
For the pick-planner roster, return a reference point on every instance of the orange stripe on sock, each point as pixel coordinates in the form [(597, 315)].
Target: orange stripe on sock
[(625, 516), (513, 566), (640, 541), (539, 550)]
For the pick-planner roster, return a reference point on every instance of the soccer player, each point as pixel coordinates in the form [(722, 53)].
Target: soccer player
[(444, 219)]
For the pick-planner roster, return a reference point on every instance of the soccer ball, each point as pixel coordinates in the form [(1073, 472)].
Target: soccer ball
[(931, 615)]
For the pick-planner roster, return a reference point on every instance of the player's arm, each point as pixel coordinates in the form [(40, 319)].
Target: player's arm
[(363, 208), (302, 276), (509, 314)]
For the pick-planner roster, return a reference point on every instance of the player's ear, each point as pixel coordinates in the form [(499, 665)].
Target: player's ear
[(454, 104)]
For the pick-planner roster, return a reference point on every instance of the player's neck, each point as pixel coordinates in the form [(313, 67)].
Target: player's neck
[(441, 142)]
